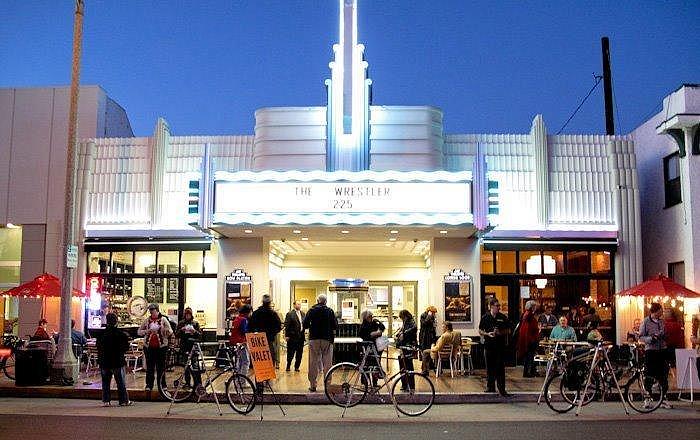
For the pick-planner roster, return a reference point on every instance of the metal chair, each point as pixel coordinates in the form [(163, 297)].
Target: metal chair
[(446, 353), (133, 356)]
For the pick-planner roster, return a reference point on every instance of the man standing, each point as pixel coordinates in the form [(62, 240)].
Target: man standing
[(294, 335), (265, 319), (320, 321), (652, 332), (494, 328), (156, 332)]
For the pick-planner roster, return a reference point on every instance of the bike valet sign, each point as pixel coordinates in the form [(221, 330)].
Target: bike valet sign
[(260, 356)]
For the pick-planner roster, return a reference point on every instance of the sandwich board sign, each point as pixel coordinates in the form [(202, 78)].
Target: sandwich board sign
[(260, 356)]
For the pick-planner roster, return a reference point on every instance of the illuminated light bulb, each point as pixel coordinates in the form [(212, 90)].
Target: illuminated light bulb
[(673, 303), (680, 308)]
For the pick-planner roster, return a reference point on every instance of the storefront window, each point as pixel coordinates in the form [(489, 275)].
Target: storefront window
[(578, 262), (168, 261), (98, 262), (211, 262), (192, 261), (600, 262), (486, 261), (145, 262), (10, 257), (535, 262), (558, 258), (506, 262), (122, 262)]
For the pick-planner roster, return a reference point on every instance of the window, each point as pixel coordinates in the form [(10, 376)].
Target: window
[(578, 262), (486, 261), (600, 262), (506, 262), (676, 271), (672, 180)]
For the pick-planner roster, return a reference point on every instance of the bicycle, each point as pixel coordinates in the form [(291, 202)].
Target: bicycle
[(347, 384), (10, 344), (240, 389), (563, 390)]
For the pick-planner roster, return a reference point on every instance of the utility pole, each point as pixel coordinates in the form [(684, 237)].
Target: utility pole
[(607, 88), (65, 364)]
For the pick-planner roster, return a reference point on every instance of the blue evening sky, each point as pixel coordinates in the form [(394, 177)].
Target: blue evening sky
[(207, 65)]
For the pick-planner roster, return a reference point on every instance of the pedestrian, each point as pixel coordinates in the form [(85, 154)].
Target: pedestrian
[(370, 331), (294, 335), (528, 339), (111, 346), (428, 331), (239, 327), (264, 319), (653, 333), (494, 327), (675, 336), (156, 332), (188, 332), (321, 323), (407, 340)]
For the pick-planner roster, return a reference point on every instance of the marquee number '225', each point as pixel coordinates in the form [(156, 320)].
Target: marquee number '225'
[(342, 204)]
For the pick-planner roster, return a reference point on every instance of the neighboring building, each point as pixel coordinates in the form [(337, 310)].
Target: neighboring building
[(668, 160), (376, 199), (33, 139)]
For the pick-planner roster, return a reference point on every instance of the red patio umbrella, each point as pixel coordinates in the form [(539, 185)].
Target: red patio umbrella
[(660, 285), (44, 286)]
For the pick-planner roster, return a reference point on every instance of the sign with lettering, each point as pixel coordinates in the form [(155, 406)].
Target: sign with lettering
[(365, 197), (458, 296), (238, 276), (260, 356)]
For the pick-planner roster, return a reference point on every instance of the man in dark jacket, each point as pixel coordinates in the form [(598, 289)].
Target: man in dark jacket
[(294, 335), (265, 319), (111, 346), (321, 322)]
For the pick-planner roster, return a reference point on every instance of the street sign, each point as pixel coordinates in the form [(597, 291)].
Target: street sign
[(72, 257)]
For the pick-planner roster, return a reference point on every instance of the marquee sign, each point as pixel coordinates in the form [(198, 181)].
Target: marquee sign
[(343, 197)]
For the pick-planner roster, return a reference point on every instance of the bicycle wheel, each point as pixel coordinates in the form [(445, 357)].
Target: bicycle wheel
[(643, 393), (418, 396), (9, 366), (344, 386), (240, 392), (176, 389), (559, 397)]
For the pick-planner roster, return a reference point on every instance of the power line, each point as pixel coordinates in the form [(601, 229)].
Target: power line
[(598, 78)]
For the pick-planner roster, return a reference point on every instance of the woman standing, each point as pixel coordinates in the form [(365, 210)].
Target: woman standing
[(406, 336), (528, 338), (370, 330), (653, 332), (156, 332), (428, 330)]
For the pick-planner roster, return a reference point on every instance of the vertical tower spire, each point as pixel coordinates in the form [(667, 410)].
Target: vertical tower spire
[(348, 97)]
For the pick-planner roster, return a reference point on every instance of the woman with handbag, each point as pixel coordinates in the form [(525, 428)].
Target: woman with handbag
[(372, 330)]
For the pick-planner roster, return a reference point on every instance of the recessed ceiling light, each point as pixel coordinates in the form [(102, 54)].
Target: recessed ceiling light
[(248, 231), (344, 231), (317, 244), (304, 238), (393, 231), (387, 244), (392, 239), (296, 231), (443, 232)]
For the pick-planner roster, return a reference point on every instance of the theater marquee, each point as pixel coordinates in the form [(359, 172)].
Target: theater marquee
[(342, 197)]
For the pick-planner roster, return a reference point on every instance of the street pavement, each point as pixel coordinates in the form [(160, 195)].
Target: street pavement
[(75, 418)]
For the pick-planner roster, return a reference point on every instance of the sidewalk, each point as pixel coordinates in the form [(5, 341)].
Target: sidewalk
[(292, 387)]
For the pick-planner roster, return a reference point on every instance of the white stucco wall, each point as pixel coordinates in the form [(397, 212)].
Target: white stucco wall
[(669, 234)]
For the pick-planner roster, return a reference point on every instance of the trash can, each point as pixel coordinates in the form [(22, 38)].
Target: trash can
[(31, 367)]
